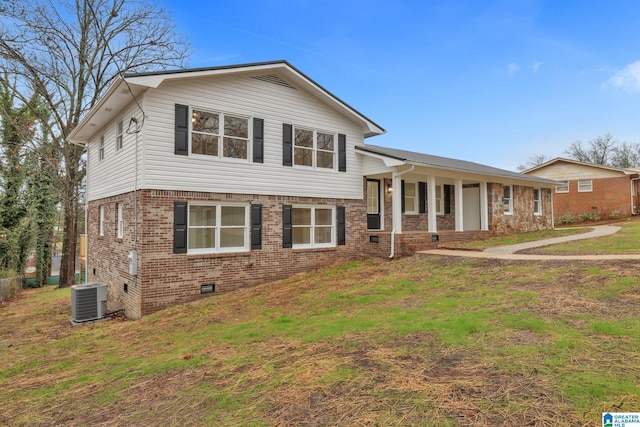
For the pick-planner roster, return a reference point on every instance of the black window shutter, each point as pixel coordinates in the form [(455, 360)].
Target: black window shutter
[(402, 195), (422, 196), (179, 227), (287, 226), (342, 226), (258, 140), (447, 199), (256, 226), (182, 130), (342, 152), (287, 145)]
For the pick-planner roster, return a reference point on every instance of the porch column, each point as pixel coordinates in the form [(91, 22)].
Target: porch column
[(431, 205), (484, 207), (459, 201), (396, 203)]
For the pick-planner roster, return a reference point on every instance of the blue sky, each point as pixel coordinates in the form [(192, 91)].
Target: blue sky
[(494, 82)]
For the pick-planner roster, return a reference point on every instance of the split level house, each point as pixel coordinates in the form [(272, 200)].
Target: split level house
[(207, 180), (590, 191)]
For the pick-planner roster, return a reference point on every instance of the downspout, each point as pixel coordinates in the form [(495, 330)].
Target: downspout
[(394, 177), (633, 208)]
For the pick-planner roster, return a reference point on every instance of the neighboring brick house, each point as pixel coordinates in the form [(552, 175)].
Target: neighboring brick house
[(208, 180), (590, 190)]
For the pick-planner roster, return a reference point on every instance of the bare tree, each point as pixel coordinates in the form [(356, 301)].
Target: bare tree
[(70, 52), (598, 152), (625, 155), (535, 160)]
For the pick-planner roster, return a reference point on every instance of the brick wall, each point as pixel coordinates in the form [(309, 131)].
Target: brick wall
[(165, 278), (610, 197)]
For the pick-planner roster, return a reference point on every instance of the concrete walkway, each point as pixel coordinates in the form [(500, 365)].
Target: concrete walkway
[(509, 252)]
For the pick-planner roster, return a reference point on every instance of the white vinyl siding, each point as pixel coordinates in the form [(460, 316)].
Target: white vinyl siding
[(159, 168), (252, 98), (116, 173)]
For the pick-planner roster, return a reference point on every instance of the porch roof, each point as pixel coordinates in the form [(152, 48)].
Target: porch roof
[(445, 163)]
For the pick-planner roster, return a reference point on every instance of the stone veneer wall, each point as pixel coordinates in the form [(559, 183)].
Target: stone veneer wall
[(523, 218), (165, 278)]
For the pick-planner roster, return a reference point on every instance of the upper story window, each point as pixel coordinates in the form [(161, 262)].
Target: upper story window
[(410, 198), (119, 134), (585, 185), (313, 226), (313, 148), (217, 227), (537, 202), (101, 149), (563, 188), (219, 134), (101, 221), (507, 200)]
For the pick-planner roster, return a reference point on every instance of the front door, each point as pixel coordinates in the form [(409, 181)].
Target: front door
[(373, 204), (471, 208)]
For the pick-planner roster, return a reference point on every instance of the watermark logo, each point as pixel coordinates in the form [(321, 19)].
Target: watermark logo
[(621, 419)]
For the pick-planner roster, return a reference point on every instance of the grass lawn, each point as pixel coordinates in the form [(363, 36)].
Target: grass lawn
[(513, 239), (624, 241), (431, 341)]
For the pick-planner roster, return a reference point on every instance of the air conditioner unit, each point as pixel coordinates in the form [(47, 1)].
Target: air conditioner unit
[(88, 302)]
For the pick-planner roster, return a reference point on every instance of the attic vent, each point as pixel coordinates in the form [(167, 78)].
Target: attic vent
[(273, 79)]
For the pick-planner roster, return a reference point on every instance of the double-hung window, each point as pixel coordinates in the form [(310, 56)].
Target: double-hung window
[(314, 148), (507, 200), (313, 226), (217, 228), (563, 188), (101, 149), (410, 198), (119, 135), (219, 134), (537, 202), (120, 221), (585, 185), (439, 202)]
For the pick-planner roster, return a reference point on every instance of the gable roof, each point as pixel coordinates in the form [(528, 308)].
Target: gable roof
[(129, 86), (446, 163), (626, 171)]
